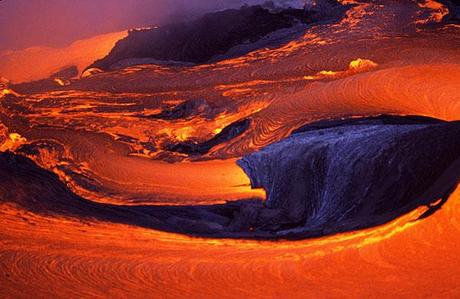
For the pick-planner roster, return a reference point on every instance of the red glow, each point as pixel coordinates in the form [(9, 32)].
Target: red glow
[(380, 59)]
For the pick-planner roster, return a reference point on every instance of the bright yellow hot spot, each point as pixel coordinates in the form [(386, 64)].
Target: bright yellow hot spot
[(362, 64)]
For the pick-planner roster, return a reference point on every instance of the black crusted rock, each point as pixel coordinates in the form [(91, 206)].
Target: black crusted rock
[(198, 41)]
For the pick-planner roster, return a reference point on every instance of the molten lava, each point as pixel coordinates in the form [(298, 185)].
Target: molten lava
[(128, 182)]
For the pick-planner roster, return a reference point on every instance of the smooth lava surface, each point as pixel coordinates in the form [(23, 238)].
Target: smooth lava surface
[(318, 160)]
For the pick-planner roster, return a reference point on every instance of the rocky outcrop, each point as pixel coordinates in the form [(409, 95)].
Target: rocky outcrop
[(200, 40), (200, 148), (352, 173), (184, 110)]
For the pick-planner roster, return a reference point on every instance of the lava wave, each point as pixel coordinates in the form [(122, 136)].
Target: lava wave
[(326, 156)]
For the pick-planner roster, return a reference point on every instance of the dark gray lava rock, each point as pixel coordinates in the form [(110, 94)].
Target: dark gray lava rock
[(228, 133), (200, 40), (353, 175), (184, 110)]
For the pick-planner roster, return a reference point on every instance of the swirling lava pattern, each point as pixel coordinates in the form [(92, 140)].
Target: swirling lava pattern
[(110, 138)]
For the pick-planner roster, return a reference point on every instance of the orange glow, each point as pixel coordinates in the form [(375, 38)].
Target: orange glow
[(41, 62), (355, 66), (61, 82), (396, 252), (100, 133), (10, 142), (7, 91), (89, 72), (436, 10), (362, 64)]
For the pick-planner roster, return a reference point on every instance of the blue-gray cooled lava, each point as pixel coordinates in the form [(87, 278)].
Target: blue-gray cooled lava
[(353, 174), (327, 177)]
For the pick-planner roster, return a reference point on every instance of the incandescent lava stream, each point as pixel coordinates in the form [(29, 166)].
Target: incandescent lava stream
[(310, 154)]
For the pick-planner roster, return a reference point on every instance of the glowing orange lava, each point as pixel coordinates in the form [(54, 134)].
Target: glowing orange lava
[(101, 134)]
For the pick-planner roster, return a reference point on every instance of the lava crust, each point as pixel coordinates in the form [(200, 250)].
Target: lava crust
[(352, 174)]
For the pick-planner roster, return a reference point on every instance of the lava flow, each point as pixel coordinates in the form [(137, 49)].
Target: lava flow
[(315, 154)]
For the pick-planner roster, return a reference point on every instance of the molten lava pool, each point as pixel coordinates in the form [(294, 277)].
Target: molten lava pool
[(321, 161)]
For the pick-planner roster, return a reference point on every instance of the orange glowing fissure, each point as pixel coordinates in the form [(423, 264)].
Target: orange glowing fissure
[(101, 128)]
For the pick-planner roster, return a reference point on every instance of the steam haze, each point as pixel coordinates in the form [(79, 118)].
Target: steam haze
[(25, 23)]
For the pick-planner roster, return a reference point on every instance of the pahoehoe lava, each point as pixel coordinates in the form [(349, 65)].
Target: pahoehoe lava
[(338, 176), (231, 131), (288, 154)]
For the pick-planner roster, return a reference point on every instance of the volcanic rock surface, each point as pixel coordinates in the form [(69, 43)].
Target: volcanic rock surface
[(213, 34), (95, 203), (348, 175), (352, 174)]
